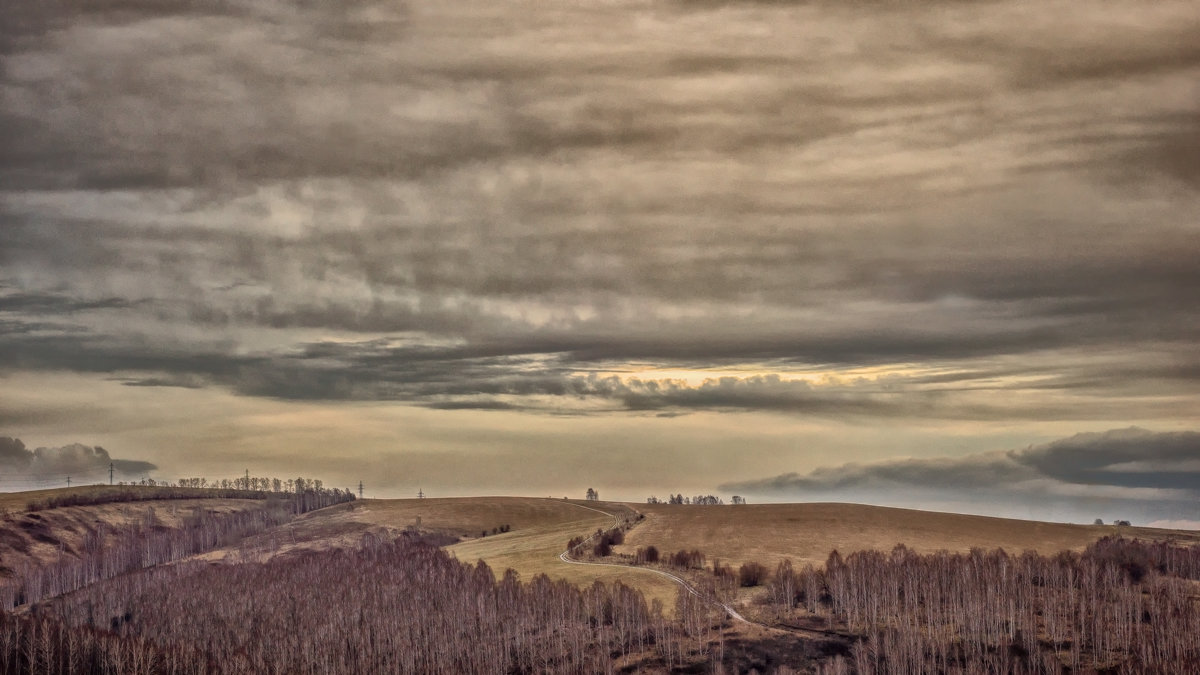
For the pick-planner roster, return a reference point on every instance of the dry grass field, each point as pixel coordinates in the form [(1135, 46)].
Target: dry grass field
[(18, 501), (540, 529), (461, 518), (806, 533), (44, 536)]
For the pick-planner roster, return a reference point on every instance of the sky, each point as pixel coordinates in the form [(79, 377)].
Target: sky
[(940, 254)]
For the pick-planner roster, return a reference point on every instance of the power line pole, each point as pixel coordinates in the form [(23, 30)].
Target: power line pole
[(110, 469), (360, 489), (68, 481)]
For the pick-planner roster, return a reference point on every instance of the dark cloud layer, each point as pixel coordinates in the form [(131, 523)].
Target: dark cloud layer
[(1158, 474)]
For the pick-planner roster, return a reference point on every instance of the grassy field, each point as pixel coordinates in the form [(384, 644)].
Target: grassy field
[(540, 529), (806, 533)]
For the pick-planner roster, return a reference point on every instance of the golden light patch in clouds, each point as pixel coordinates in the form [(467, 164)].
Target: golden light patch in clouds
[(813, 376)]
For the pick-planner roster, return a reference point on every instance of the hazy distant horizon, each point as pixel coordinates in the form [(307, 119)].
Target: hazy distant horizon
[(929, 253)]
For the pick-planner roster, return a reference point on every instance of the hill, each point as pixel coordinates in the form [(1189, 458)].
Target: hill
[(139, 566), (538, 530), (42, 536), (53, 542), (806, 533)]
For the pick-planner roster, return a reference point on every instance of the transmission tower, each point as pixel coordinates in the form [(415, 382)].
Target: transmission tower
[(360, 489)]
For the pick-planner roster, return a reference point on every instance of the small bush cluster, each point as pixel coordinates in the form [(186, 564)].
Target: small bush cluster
[(751, 574), (646, 556), (682, 559)]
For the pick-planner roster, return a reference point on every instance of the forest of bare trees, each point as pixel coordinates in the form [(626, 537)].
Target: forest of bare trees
[(1121, 606), (108, 550), (387, 606)]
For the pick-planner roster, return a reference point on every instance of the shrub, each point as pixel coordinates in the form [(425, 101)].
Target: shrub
[(751, 574), (648, 555), (651, 554), (687, 559)]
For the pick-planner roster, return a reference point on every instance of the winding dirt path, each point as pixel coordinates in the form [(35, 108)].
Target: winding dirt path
[(565, 557), (793, 631)]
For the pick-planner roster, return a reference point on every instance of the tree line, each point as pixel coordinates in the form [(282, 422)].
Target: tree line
[(701, 500), (308, 492)]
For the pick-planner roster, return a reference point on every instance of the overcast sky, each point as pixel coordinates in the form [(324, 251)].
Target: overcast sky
[(647, 246)]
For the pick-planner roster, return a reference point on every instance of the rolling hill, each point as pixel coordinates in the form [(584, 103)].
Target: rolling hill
[(527, 534), (807, 532)]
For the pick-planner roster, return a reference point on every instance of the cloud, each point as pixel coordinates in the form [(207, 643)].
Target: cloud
[(1103, 459), (1092, 459), (84, 463), (581, 374), (976, 471), (1080, 471), (13, 453), (989, 206), (1175, 524)]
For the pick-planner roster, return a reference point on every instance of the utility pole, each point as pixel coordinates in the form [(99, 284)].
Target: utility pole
[(68, 481), (360, 489), (110, 469)]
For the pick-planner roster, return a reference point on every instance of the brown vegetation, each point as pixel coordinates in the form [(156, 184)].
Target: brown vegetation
[(136, 493), (104, 549), (806, 533), (108, 551), (387, 601), (1120, 606), (751, 574), (389, 606), (308, 494)]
